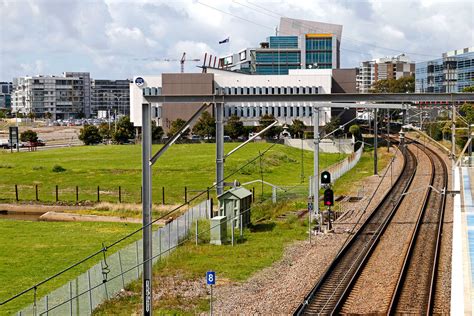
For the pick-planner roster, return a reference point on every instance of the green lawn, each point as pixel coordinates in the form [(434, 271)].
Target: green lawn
[(33, 251), (190, 165), (190, 262)]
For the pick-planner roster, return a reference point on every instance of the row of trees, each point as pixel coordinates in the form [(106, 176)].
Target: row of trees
[(118, 133)]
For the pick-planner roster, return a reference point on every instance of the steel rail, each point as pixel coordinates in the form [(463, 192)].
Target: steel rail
[(359, 236), (409, 256)]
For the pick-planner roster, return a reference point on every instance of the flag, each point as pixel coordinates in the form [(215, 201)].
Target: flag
[(224, 41)]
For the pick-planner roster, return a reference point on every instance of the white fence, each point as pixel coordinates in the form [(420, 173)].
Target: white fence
[(81, 295)]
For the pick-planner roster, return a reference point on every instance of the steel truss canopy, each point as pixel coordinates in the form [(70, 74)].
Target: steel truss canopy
[(384, 100)]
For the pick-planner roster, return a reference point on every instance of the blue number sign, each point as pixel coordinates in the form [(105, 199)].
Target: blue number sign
[(211, 277)]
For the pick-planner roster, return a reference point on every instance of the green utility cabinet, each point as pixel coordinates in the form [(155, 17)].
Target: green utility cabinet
[(235, 204)]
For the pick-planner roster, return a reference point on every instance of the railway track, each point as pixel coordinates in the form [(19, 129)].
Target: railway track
[(415, 288), (327, 293), (414, 293)]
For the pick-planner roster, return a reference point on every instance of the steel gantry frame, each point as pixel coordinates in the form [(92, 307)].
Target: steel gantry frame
[(317, 101)]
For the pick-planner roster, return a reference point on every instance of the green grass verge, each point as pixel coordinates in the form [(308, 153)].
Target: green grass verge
[(263, 245), (33, 251), (191, 165)]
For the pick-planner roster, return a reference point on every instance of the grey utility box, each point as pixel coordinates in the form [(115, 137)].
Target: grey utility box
[(235, 204), (218, 230)]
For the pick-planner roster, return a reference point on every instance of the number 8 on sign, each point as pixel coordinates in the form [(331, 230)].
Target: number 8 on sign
[(211, 277)]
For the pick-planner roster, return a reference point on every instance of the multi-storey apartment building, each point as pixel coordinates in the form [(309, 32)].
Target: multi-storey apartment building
[(383, 68), (61, 96), (110, 95), (451, 73), (299, 44)]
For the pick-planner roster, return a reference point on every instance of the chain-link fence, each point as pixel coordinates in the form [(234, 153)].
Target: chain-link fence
[(112, 274)]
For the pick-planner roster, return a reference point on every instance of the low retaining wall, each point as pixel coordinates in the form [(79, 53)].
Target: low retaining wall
[(345, 146)]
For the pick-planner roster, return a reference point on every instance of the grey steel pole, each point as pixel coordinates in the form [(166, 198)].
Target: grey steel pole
[(146, 205), (316, 162), (219, 148), (388, 130), (453, 133), (375, 141)]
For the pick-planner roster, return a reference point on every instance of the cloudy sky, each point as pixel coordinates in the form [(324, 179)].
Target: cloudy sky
[(115, 39)]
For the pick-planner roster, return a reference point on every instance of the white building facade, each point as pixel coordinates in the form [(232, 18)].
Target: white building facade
[(314, 80)]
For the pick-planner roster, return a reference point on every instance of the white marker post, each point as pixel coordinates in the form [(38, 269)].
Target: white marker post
[(210, 280)]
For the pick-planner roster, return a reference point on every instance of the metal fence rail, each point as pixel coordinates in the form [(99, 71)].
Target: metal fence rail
[(83, 294)]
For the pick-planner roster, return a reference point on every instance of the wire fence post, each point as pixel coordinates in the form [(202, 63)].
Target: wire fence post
[(185, 194), (98, 194), (36, 192), (70, 298), (163, 195), (121, 269), (138, 262), (57, 193), (208, 193), (197, 232), (120, 194), (46, 305), (77, 193), (90, 291), (16, 192)]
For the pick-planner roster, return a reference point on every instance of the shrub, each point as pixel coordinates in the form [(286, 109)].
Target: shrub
[(29, 136), (90, 135), (58, 168)]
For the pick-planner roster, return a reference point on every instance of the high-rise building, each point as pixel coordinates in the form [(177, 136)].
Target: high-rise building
[(6, 87), (63, 97), (383, 68), (451, 73), (299, 44), (110, 95), (5, 94)]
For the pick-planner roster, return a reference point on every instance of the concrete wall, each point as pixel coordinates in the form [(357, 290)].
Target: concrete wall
[(326, 145)]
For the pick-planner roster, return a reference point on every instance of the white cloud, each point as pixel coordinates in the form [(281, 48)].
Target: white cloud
[(108, 37)]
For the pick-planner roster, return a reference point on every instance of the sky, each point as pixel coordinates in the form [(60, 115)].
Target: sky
[(118, 39)]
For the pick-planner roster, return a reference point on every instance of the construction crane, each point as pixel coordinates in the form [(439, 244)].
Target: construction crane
[(181, 61)]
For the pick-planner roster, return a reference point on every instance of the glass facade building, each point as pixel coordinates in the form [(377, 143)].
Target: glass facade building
[(451, 73), (299, 48)]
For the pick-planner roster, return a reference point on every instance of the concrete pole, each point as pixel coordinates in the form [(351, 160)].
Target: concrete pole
[(316, 161), (375, 141), (146, 205), (219, 148), (469, 149)]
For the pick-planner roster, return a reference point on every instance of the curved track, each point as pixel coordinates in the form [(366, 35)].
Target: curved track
[(326, 294), (414, 293)]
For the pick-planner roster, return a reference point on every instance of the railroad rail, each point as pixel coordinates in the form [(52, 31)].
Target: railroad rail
[(414, 293), (326, 295)]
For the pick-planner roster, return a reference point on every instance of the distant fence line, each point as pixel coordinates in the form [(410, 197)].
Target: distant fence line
[(104, 280), (77, 194)]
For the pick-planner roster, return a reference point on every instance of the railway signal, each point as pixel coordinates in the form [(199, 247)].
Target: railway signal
[(325, 177), (328, 197)]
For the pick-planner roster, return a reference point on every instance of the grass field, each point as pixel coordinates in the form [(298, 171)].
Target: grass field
[(190, 165), (264, 245), (32, 251)]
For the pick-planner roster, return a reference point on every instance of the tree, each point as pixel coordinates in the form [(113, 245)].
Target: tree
[(205, 126), (31, 115), (89, 134), (29, 136), (48, 115), (105, 131), (401, 85), (332, 126), (156, 132), (125, 130), (175, 127), (297, 128), (266, 120), (468, 89), (355, 131), (234, 127)]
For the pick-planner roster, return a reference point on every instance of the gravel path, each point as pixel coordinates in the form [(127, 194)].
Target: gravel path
[(280, 288), (372, 294)]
